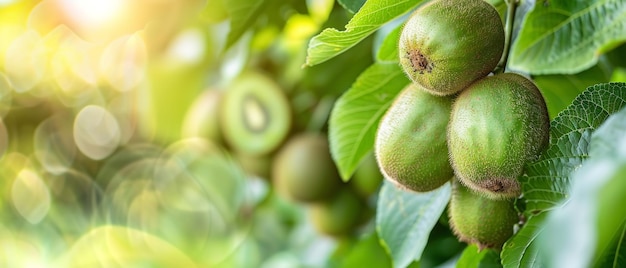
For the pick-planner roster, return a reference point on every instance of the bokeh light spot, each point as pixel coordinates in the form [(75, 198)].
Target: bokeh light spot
[(123, 62), (25, 61), (54, 147), (96, 132), (30, 196)]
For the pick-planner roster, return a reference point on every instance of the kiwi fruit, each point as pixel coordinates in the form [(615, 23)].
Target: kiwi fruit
[(303, 169), (445, 45), (255, 115), (202, 119), (410, 144), (339, 215), (367, 177), (478, 220), (497, 125)]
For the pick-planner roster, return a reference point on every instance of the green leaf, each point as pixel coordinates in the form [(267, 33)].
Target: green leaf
[(355, 116), (560, 90), (332, 42), (388, 51), (351, 5), (547, 180), (616, 254), (472, 257), (405, 219), (587, 225), (367, 253), (243, 14), (521, 250), (563, 36)]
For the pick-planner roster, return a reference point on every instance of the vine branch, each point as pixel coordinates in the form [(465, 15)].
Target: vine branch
[(508, 34)]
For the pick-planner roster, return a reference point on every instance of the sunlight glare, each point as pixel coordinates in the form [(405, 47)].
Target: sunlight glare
[(92, 12)]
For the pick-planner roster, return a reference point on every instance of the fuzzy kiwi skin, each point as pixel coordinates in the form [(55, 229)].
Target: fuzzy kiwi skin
[(497, 125), (475, 219), (445, 45), (303, 170), (410, 145)]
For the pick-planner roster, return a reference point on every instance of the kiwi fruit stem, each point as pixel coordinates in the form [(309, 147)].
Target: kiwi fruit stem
[(508, 33)]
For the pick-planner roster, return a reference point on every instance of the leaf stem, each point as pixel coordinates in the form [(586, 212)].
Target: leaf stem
[(508, 34)]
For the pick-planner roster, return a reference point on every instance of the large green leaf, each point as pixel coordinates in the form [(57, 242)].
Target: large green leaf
[(559, 90), (351, 5), (374, 13), (243, 14), (566, 37), (547, 180), (355, 116), (521, 250), (405, 219), (588, 225)]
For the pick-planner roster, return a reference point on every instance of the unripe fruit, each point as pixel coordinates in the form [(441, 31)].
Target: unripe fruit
[(478, 220), (410, 145), (303, 169), (367, 177), (255, 115), (339, 215), (497, 125), (447, 44)]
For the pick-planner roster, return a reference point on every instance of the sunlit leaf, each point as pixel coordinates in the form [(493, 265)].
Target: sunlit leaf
[(563, 36), (352, 5), (332, 42), (405, 219), (355, 117)]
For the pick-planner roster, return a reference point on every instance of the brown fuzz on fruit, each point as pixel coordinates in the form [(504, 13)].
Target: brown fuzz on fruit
[(478, 220), (447, 44), (497, 125)]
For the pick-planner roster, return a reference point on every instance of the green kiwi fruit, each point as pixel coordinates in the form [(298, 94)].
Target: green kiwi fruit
[(255, 115), (367, 177), (338, 216), (303, 169), (497, 125), (445, 45), (478, 220), (202, 119), (410, 144)]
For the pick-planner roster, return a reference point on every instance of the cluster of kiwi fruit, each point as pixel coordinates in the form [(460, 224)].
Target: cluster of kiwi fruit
[(254, 119), (456, 122)]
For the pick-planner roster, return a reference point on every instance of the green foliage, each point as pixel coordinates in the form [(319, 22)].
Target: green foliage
[(566, 37), (243, 14), (373, 14), (547, 180), (404, 220), (355, 117)]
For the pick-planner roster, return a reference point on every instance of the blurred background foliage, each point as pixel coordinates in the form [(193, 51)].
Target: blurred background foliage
[(113, 151)]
